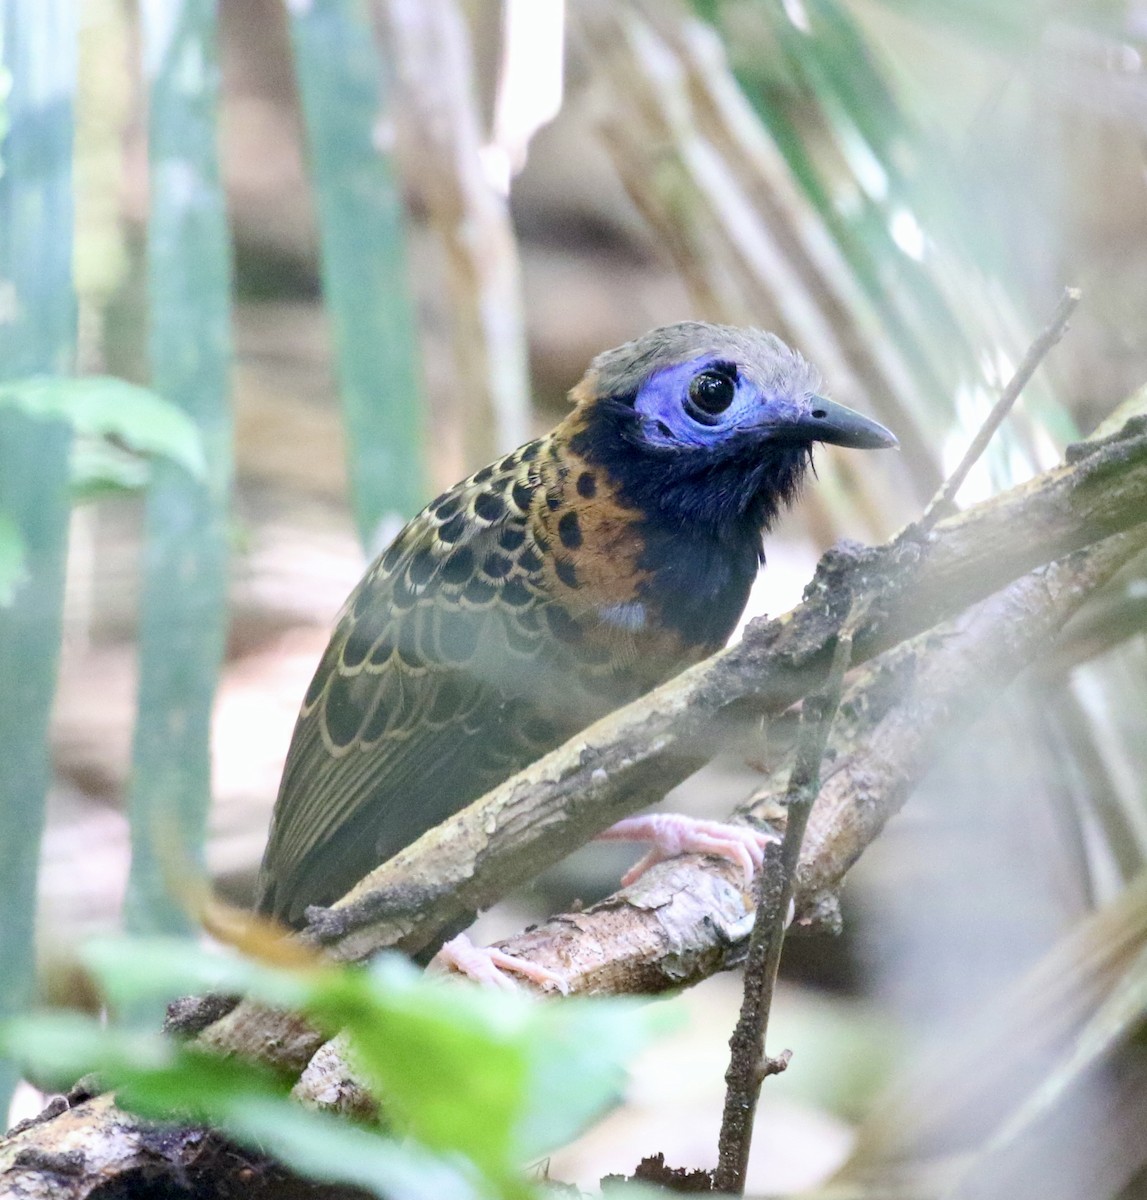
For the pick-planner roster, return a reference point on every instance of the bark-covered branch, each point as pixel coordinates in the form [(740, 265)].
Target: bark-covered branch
[(633, 756), (689, 918)]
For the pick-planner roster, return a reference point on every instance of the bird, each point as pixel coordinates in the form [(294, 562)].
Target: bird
[(565, 579)]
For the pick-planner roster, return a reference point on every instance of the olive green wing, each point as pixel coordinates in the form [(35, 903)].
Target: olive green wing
[(418, 705)]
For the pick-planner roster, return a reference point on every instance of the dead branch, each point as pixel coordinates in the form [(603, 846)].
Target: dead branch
[(748, 1063)]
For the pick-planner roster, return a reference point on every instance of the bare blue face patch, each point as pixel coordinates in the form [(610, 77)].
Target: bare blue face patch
[(683, 405)]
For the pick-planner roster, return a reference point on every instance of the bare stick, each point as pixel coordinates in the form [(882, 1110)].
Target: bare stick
[(749, 1066), (944, 501)]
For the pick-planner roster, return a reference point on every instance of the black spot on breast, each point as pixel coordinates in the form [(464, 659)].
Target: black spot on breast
[(446, 505), (553, 501), (567, 572), (569, 530), (497, 566), (478, 591), (421, 567), (343, 715), (489, 506), (485, 473), (453, 529), (500, 484), (508, 463), (515, 593), (586, 485), (512, 537), (530, 451), (522, 493), (530, 561), (458, 567), (562, 625)]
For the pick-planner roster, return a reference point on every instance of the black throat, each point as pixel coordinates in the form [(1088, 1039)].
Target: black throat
[(703, 513)]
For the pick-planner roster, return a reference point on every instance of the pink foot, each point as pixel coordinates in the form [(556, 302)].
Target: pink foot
[(673, 834), (488, 966)]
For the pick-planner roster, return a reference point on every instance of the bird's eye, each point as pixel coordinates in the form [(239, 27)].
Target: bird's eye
[(710, 393)]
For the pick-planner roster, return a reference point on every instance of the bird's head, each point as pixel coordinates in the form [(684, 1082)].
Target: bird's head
[(710, 425)]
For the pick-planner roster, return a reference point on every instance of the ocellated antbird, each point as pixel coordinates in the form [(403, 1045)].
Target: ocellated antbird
[(567, 578)]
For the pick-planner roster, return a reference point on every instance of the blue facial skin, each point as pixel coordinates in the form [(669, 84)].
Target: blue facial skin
[(669, 418), (707, 485)]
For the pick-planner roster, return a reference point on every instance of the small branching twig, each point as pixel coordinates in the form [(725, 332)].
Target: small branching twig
[(749, 1066), (943, 503)]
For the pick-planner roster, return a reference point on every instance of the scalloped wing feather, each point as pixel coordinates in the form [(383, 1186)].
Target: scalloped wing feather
[(430, 692)]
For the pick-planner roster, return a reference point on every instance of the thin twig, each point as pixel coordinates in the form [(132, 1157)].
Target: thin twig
[(748, 1064), (943, 502)]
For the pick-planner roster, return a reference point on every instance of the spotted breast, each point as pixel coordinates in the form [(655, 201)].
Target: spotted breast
[(506, 616)]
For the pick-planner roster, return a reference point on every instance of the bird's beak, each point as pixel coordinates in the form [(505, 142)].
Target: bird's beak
[(824, 421)]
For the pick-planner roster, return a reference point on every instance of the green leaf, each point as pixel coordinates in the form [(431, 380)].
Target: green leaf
[(131, 969), (499, 1078), (154, 1075), (100, 469), (158, 1077), (577, 1055), (411, 1034), (106, 408), (13, 569), (525, 1076), (323, 1147)]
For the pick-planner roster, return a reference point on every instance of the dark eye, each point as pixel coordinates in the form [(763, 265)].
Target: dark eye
[(710, 393)]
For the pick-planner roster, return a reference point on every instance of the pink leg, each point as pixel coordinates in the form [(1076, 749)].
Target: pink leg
[(488, 966), (672, 834)]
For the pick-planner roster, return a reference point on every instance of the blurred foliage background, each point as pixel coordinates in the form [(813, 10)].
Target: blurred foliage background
[(346, 252)]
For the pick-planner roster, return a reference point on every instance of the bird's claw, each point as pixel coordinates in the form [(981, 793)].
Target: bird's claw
[(672, 834), (488, 966)]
